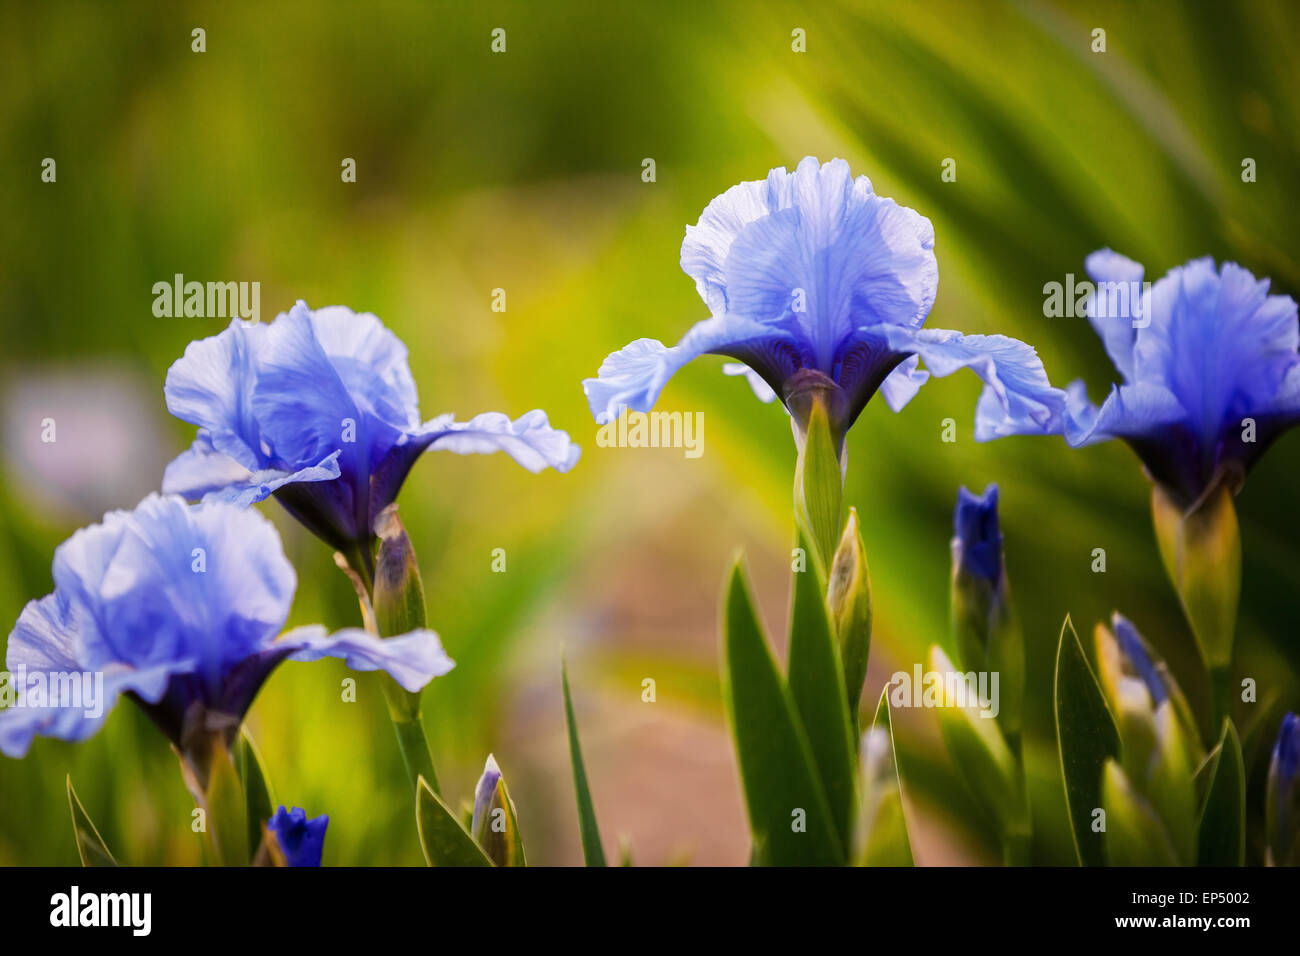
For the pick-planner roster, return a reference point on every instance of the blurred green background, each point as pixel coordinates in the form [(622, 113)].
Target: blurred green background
[(522, 171)]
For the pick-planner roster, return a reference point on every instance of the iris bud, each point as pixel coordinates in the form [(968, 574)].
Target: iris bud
[(1282, 801), (301, 841), (1159, 749), (493, 825), (985, 628)]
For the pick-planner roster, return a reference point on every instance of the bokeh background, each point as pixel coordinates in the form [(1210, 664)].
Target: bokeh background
[(522, 171)]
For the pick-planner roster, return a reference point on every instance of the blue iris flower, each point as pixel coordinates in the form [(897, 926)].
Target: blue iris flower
[(1210, 370), (977, 541), (815, 284), (302, 840), (181, 608), (320, 410)]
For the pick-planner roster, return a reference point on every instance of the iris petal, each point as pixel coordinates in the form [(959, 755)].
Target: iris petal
[(320, 409), (180, 607), (413, 659), (634, 376)]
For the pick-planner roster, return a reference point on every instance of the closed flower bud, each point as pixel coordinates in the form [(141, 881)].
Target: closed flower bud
[(302, 841), (399, 599), (987, 634), (1282, 803), (1159, 744), (493, 825)]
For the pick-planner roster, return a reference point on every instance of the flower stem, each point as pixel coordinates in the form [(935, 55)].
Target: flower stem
[(411, 738), (1017, 838), (397, 602), (1221, 689)]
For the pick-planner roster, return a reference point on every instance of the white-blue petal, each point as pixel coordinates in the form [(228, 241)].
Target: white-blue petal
[(529, 439), (1017, 398), (634, 376), (1107, 268), (412, 659)]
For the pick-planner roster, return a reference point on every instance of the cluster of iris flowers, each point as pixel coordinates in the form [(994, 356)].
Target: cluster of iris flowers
[(818, 291)]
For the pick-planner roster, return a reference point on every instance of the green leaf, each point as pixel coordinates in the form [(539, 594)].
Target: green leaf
[(259, 802), (817, 687), (90, 845), (882, 826), (592, 851), (788, 812), (1222, 826), (1086, 738), (443, 838), (819, 483)]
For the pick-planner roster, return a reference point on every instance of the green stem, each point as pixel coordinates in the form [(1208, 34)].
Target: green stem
[(411, 738), (1221, 691), (1017, 839), (1015, 849)]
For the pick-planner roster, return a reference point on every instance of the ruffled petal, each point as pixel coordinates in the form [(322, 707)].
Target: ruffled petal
[(529, 439), (370, 361), (1130, 411), (210, 386), (1111, 270), (634, 376), (814, 253), (203, 472), (412, 660), (201, 469), (1017, 399), (304, 408), (901, 385), (76, 694), (1219, 342)]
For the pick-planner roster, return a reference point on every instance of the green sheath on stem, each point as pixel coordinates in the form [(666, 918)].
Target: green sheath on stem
[(398, 603)]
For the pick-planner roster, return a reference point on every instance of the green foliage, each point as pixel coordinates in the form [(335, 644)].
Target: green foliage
[(789, 815), (1086, 740), (816, 681), (90, 845), (593, 853), (473, 173), (443, 838)]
